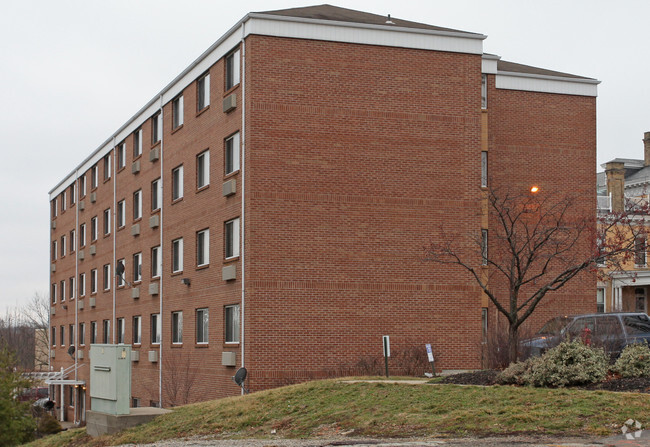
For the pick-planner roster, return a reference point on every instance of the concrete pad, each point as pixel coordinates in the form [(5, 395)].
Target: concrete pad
[(98, 424)]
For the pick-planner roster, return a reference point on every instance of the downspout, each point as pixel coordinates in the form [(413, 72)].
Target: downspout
[(160, 253), (113, 222), (243, 196), (76, 291)]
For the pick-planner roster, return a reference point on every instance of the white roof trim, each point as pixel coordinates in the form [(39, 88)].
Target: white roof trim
[(546, 84)]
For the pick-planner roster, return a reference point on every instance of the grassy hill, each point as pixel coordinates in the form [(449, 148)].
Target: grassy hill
[(383, 409)]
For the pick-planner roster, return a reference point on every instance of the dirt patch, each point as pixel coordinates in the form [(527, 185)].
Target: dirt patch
[(619, 384)]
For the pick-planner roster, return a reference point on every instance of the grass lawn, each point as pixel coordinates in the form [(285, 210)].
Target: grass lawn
[(332, 407)]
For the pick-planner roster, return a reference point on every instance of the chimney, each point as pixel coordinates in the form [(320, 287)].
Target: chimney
[(615, 172), (646, 148)]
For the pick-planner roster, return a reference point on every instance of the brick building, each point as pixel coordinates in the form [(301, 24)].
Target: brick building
[(270, 205)]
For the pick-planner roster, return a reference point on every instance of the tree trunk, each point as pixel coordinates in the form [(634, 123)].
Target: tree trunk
[(513, 342)]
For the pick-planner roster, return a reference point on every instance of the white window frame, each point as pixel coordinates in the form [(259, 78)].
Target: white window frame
[(106, 331), (203, 247), (137, 143), (107, 167), (53, 293), (484, 97), (155, 329), (119, 279), (73, 240), (156, 262), (233, 72), (106, 270), (93, 332), (93, 281), (64, 242), (177, 183), (81, 333), (137, 329), (82, 182), (64, 204), (73, 190), (156, 194), (137, 267), (231, 246), (107, 221), (82, 284), (203, 92), (177, 327), (177, 112), (231, 154), (484, 169), (82, 235), (72, 289), (203, 169), (94, 174), (177, 255), (120, 331), (231, 324), (121, 155), (640, 243), (137, 204), (202, 326), (55, 250), (156, 128), (93, 229), (62, 290)]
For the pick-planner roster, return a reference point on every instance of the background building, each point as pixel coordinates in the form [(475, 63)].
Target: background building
[(270, 205)]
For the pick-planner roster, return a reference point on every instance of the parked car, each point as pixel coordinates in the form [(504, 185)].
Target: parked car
[(33, 394), (610, 331)]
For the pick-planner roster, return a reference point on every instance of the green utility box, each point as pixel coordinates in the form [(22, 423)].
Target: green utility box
[(110, 378)]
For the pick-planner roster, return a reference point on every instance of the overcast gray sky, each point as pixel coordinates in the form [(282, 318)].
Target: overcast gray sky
[(73, 71)]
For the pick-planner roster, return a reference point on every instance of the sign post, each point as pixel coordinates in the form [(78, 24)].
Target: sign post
[(430, 355), (386, 341)]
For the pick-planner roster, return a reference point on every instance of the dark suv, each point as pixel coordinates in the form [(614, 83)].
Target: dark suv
[(610, 331)]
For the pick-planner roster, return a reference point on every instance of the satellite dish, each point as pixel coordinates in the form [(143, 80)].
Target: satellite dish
[(71, 350), (240, 377), (119, 269)]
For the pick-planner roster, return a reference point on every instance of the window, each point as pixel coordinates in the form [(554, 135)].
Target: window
[(600, 300), (93, 177), (73, 240), (53, 336), (121, 156), (156, 194), (55, 209), (120, 278), (71, 334), (156, 128), (232, 238), (636, 324), (121, 213), (137, 330), (639, 300), (93, 332), (156, 262), (203, 92), (107, 277), (120, 330), (53, 293), (137, 143), (62, 335), (177, 327), (107, 167), (177, 255), (484, 91), (203, 247), (232, 154), (484, 247), (63, 245), (177, 112), (55, 250), (82, 235), (137, 267), (135, 402), (203, 169), (484, 169), (232, 323), (82, 284), (155, 329), (73, 194), (62, 290), (82, 185), (93, 281), (177, 183), (202, 320), (640, 251), (107, 221), (82, 334), (106, 331), (93, 229), (232, 69), (137, 204), (63, 201), (71, 288)]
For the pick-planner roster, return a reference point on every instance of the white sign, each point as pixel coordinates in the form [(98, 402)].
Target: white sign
[(429, 352), (386, 340)]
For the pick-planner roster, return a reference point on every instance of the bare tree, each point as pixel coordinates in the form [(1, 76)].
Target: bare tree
[(178, 379), (37, 313), (537, 244)]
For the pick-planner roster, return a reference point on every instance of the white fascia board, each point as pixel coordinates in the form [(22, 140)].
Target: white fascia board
[(299, 28), (547, 84), (489, 64)]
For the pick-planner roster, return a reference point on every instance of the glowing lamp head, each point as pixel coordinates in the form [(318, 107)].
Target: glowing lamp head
[(534, 189)]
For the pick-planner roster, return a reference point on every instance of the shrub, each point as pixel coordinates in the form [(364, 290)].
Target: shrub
[(634, 361), (47, 424), (569, 363)]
